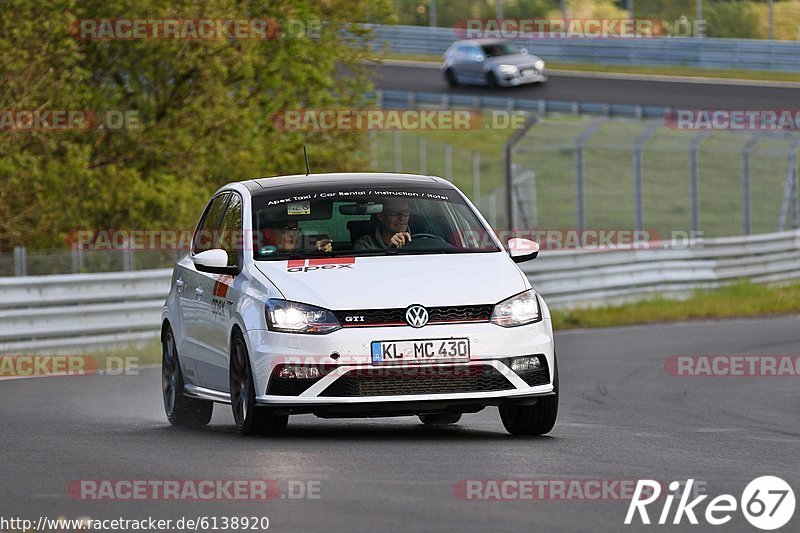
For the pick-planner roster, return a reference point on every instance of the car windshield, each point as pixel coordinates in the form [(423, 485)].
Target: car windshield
[(331, 222), (501, 49)]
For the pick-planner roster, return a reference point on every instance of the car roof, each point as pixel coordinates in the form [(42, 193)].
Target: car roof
[(345, 179)]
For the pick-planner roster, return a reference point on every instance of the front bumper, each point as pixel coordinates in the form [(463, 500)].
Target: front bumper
[(491, 348), (518, 79)]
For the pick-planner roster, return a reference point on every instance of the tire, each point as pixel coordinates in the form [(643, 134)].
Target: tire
[(491, 80), (249, 419), (451, 78), (440, 419), (180, 409), (537, 419)]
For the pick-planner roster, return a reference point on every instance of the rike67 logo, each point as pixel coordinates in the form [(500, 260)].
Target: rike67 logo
[(767, 503)]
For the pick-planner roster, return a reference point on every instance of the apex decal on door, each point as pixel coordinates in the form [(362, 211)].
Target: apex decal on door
[(322, 263), (221, 286)]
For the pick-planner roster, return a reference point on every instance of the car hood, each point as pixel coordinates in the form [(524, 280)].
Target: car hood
[(397, 281), (518, 60)]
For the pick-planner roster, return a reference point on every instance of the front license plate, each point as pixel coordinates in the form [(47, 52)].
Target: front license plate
[(421, 351)]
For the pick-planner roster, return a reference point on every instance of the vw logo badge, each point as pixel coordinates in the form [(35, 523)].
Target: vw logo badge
[(416, 316)]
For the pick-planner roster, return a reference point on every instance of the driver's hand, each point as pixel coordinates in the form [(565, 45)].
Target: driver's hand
[(400, 239), (324, 245)]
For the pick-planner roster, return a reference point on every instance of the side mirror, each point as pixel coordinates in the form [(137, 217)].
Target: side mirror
[(522, 250), (215, 262), (480, 59), (523, 51)]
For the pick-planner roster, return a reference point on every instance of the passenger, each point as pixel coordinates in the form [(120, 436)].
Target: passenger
[(285, 236), (392, 229)]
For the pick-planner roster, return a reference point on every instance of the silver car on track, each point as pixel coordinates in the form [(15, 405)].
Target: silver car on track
[(491, 62)]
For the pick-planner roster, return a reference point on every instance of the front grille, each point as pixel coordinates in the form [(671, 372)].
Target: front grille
[(397, 317), (418, 380)]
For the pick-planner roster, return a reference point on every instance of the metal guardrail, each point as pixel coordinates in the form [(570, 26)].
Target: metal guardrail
[(746, 54), (78, 312), (398, 99)]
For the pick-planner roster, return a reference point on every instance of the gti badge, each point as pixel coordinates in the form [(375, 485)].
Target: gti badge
[(416, 316)]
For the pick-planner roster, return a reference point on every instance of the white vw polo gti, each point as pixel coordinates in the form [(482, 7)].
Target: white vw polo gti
[(354, 295)]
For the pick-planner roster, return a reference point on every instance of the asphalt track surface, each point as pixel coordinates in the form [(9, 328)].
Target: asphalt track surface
[(622, 417), (589, 88)]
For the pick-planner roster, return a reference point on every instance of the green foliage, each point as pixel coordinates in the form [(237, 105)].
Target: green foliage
[(448, 12), (205, 110), (732, 19)]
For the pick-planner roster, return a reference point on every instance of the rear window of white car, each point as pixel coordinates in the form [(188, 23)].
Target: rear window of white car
[(358, 222)]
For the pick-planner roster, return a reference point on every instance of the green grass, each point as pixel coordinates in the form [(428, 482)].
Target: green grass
[(682, 71), (742, 299)]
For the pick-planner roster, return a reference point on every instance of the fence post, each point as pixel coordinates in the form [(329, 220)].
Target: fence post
[(77, 258), (638, 180), (20, 261), (128, 264), (373, 149), (448, 162), (493, 210), (694, 177), (423, 152), (398, 152), (580, 199), (508, 150), (746, 151), (476, 178), (795, 207)]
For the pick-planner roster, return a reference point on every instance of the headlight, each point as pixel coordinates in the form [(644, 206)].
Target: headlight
[(507, 69), (294, 317), (517, 311), (539, 65)]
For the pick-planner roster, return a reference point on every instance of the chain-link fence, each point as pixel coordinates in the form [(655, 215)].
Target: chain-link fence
[(77, 261), (583, 172), (644, 175)]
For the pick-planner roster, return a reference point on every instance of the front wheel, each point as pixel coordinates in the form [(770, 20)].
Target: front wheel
[(537, 419), (249, 419), (181, 410), (491, 80), (451, 78)]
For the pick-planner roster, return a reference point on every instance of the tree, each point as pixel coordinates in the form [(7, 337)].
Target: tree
[(204, 108)]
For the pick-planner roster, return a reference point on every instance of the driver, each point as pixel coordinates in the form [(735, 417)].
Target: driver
[(392, 230)]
